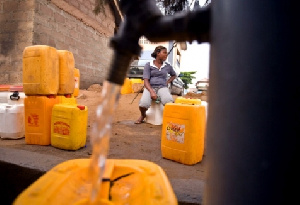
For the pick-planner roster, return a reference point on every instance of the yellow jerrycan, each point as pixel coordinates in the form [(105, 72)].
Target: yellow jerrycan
[(125, 181), (68, 126), (66, 72), (38, 111), (67, 99), (40, 70), (183, 132), (127, 87)]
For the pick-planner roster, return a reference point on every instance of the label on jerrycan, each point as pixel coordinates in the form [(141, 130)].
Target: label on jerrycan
[(183, 132)]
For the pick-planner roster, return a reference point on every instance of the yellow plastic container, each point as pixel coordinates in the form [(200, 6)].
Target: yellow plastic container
[(188, 101), (67, 99), (183, 132), (77, 82), (136, 80), (126, 87), (40, 70), (126, 181), (66, 72), (68, 126), (38, 111)]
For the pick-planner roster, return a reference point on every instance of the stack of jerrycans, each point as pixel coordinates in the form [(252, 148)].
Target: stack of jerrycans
[(48, 80), (40, 85), (183, 131), (68, 120)]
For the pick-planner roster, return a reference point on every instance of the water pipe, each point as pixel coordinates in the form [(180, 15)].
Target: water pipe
[(254, 93)]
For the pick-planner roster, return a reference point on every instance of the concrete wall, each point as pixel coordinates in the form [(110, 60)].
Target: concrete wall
[(63, 24)]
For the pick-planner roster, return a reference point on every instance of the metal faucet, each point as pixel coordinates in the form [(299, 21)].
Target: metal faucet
[(253, 114)]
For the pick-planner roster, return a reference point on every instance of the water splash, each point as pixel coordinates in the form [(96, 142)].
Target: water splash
[(100, 135)]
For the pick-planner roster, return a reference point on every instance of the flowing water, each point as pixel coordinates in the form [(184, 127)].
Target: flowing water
[(100, 135)]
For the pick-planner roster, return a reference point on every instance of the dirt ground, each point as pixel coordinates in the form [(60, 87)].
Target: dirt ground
[(130, 141)]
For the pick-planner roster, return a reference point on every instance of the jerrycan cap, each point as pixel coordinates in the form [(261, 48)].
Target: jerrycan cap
[(68, 95), (81, 107)]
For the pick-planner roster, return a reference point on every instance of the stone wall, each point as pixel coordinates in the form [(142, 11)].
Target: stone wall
[(63, 24)]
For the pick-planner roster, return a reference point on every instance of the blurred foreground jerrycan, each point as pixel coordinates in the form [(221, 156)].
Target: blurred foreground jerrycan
[(125, 181)]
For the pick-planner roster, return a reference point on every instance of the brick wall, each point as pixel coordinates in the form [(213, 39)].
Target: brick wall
[(16, 24), (63, 24)]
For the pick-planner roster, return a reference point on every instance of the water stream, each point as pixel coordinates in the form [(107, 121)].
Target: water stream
[(100, 135)]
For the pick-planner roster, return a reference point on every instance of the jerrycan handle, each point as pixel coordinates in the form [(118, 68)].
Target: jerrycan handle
[(15, 96)]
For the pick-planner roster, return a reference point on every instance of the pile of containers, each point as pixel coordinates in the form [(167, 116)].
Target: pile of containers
[(11, 112), (48, 83), (53, 117)]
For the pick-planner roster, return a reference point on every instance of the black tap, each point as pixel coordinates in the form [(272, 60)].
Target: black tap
[(143, 18)]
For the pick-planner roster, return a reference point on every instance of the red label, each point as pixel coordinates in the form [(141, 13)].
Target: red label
[(33, 120), (61, 128)]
